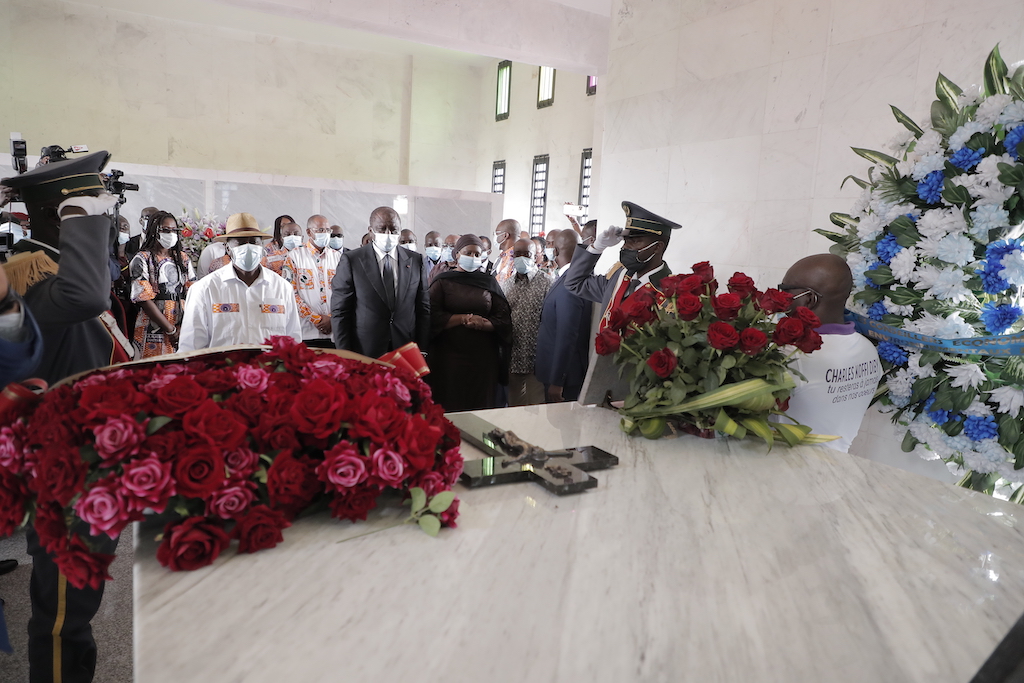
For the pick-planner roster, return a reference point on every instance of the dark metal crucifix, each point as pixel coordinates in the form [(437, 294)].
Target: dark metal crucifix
[(512, 459)]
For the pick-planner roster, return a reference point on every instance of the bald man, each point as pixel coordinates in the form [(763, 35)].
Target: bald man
[(505, 235), (841, 376), (380, 295), (447, 260)]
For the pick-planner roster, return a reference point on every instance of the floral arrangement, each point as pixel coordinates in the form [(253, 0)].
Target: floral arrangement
[(236, 443), (197, 232), (703, 361), (934, 243)]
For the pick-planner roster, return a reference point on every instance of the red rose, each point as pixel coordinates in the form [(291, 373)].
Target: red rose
[(275, 432), (607, 342), (191, 543), (432, 483), (752, 341), (51, 527), (663, 362), (639, 307), (166, 443), (259, 528), (807, 317), (60, 474), (231, 499), (811, 341), (241, 462), (355, 504), (670, 285), (722, 335), (292, 483), (100, 401), (216, 380), (688, 306), (419, 442), (199, 471), (704, 271), (774, 301), (293, 354), (741, 285), (617, 319), (49, 424), (179, 396), (449, 516), (319, 408), (787, 331), (246, 404), (727, 306), (692, 284), (82, 567), (118, 438), (451, 468), (343, 468), (375, 417), (283, 383), (211, 424), (12, 502), (146, 483)]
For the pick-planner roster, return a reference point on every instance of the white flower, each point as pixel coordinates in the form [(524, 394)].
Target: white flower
[(905, 167), (970, 95), (955, 327), (964, 133), (1013, 115), (1007, 472), (928, 324), (960, 442), (860, 206), (988, 217), (926, 275), (977, 409), (992, 454), (995, 194), (895, 309), (929, 143), (857, 307), (902, 264), (869, 227), (1010, 399), (957, 249), (915, 366), (966, 375), (899, 142), (901, 383), (987, 170), (988, 111), (927, 164), (941, 222), (929, 246), (1013, 268), (897, 210)]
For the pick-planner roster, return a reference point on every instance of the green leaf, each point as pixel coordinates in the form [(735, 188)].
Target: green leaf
[(923, 388), (430, 524), (955, 194), (836, 237), (155, 423), (1011, 174), (1018, 454), (759, 426), (728, 361), (947, 91), (881, 275), (869, 296), (995, 73), (862, 184), (904, 296), (907, 122), (1009, 430), (419, 498), (89, 454), (909, 442), (943, 118), (843, 220), (442, 501), (875, 157)]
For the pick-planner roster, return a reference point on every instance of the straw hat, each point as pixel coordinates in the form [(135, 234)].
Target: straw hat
[(242, 225)]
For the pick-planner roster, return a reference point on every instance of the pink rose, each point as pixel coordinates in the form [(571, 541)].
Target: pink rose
[(146, 483), (389, 385), (11, 450), (119, 438), (252, 378), (102, 509), (343, 468), (432, 483), (231, 500), (241, 462), (451, 469), (325, 369), (388, 467)]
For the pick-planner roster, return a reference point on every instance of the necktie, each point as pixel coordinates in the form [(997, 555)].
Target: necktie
[(389, 281)]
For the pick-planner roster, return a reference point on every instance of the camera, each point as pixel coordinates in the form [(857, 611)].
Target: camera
[(19, 153), (6, 243), (117, 186)]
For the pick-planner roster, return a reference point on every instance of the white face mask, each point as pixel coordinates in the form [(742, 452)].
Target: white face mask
[(447, 254), (524, 265), (292, 242), (168, 239), (335, 243), (500, 237), (247, 256), (385, 241), (470, 263), (123, 237), (550, 253), (320, 239), (433, 253), (411, 246)]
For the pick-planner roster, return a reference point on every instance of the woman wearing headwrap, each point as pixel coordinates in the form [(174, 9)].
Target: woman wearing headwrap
[(471, 332)]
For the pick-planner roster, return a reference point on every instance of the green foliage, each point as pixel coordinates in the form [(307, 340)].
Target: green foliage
[(907, 122), (995, 73)]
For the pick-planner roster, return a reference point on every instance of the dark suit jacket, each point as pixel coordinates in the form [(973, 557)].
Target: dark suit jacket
[(563, 343), (361, 319), (20, 355)]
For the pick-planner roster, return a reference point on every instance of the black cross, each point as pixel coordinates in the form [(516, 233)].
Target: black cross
[(512, 459)]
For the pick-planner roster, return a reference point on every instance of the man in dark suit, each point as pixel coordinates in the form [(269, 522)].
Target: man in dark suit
[(563, 343), (641, 266), (380, 295)]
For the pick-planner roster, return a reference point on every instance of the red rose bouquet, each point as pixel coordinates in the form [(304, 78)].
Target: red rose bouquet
[(702, 361), (235, 443)]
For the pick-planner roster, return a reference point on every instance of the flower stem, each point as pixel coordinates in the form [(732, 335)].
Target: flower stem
[(407, 520)]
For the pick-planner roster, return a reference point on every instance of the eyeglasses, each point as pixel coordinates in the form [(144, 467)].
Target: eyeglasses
[(807, 290)]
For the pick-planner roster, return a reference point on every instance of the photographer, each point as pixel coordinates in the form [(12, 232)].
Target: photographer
[(63, 274)]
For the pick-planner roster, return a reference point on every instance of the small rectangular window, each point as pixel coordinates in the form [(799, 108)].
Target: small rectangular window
[(504, 91), (498, 177), (586, 169), (539, 195), (546, 87), (591, 85)]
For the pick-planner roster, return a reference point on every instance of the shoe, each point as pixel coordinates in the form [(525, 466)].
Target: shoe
[(8, 566)]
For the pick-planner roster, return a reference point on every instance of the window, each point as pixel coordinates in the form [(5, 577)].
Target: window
[(504, 90), (546, 87), (591, 85), (498, 177), (586, 169), (539, 196)]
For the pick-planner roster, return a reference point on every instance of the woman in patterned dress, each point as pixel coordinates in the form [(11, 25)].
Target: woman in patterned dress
[(276, 250), (160, 275)]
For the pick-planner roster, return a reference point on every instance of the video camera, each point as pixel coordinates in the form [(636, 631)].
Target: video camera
[(52, 153)]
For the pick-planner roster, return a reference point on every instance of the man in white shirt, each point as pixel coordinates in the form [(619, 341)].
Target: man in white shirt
[(310, 270), (843, 374), (243, 304)]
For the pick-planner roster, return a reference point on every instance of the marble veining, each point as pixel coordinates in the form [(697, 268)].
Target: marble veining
[(693, 560)]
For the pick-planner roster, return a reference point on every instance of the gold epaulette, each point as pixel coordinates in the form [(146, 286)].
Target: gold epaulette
[(28, 268), (613, 270)]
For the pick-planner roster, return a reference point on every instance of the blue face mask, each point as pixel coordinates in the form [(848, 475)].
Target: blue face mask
[(447, 254), (433, 253), (336, 243), (471, 264), (524, 264)]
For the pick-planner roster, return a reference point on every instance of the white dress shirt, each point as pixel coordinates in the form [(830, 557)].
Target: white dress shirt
[(394, 261), (221, 310), (310, 272)]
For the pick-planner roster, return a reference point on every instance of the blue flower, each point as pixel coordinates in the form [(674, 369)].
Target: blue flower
[(977, 427), (1012, 140), (997, 250), (892, 353), (912, 217), (989, 272), (939, 417), (930, 189), (877, 310), (998, 319), (867, 278), (967, 158), (887, 248)]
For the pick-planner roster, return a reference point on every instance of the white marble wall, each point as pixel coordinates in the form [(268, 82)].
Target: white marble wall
[(736, 118)]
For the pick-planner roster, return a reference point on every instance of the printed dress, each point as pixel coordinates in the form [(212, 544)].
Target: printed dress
[(159, 281)]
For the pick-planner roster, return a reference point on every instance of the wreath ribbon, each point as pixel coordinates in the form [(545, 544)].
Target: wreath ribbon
[(1000, 345)]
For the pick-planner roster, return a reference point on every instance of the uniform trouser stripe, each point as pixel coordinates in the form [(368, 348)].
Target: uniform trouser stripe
[(58, 624)]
